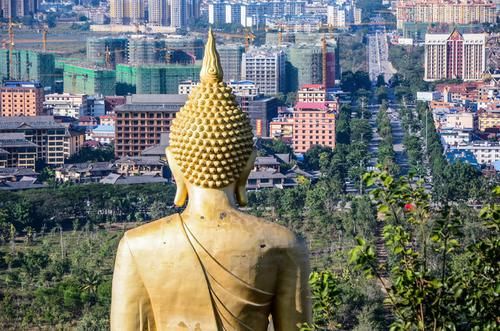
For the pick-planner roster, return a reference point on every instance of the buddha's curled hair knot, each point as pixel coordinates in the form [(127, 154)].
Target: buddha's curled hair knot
[(208, 126)]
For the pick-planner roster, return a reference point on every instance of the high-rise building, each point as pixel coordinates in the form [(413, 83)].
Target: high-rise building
[(126, 11), (28, 65), (261, 110), (230, 58), (336, 17), (445, 11), (142, 119), (90, 80), (18, 8), (21, 99), (313, 119), (153, 79), (455, 56), (178, 13), (103, 48), (158, 12), (265, 67)]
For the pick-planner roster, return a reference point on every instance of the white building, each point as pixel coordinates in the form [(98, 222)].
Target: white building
[(336, 17), (485, 152), (453, 137), (66, 104), (240, 88), (265, 67)]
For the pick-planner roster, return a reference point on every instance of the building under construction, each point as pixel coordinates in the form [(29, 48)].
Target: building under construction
[(107, 51), (153, 79), (27, 65), (90, 80), (312, 64)]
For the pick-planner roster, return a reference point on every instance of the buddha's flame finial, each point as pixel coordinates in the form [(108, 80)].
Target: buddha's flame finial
[(211, 71)]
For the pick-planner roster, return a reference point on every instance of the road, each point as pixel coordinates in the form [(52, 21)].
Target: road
[(378, 57)]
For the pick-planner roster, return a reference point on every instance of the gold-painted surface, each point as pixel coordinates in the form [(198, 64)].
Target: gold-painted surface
[(211, 137), (211, 267)]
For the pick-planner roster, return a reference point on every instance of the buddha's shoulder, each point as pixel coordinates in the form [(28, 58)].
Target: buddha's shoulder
[(264, 229), (151, 230)]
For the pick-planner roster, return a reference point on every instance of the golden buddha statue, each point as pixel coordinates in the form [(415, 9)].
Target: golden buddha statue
[(211, 267)]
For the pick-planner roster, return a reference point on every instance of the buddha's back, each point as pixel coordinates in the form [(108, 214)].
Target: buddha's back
[(216, 274)]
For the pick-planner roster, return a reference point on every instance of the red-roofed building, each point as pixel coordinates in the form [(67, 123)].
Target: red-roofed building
[(313, 124)]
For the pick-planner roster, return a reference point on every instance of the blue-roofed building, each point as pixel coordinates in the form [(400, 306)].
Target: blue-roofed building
[(105, 134), (497, 165), (454, 156)]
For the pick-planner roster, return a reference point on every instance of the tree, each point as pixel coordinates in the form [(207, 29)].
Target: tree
[(380, 80), (425, 241)]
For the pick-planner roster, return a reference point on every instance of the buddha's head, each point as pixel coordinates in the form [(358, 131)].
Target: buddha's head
[(211, 140)]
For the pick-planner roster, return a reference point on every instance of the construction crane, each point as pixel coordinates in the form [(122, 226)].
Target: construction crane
[(248, 36)]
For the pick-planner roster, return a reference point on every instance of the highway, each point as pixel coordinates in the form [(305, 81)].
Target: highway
[(378, 57)]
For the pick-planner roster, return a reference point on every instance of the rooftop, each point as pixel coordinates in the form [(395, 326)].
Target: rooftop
[(116, 179), (29, 122)]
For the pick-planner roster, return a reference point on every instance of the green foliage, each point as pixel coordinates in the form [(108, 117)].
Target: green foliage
[(88, 154), (424, 240), (95, 203)]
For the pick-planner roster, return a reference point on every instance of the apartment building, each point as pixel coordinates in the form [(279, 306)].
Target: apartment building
[(265, 67), (16, 151), (55, 141), (281, 127), (313, 124), (488, 121), (142, 119), (485, 152), (455, 56), (19, 98), (445, 11), (66, 104)]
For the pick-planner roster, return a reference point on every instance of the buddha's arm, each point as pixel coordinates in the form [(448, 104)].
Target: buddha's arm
[(130, 305), (291, 305)]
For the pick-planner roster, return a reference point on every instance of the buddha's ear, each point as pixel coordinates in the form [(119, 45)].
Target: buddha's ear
[(241, 184), (181, 193)]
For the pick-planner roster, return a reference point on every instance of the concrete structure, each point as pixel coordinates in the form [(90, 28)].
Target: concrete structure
[(16, 151), (243, 88), (281, 127), (459, 120), (113, 48), (49, 136), (140, 166), (142, 119), (261, 110), (66, 104), (265, 67), (230, 58), (28, 65), (104, 134), (126, 11), (84, 172), (314, 124), (485, 152), (90, 80), (336, 17), (21, 99), (445, 11), (153, 79), (489, 121), (18, 8), (455, 56)]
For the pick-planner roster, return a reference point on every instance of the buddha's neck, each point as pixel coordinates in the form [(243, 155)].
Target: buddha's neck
[(209, 203)]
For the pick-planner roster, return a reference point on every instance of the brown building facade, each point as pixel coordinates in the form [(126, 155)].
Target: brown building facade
[(142, 119), (21, 99)]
